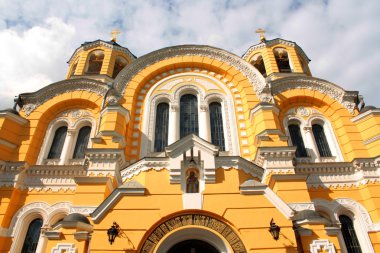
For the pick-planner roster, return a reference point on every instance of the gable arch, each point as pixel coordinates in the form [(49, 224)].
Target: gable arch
[(346, 99), (211, 58)]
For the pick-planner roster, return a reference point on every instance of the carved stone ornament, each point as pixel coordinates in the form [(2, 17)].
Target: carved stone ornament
[(252, 74), (322, 244), (302, 111), (345, 98), (30, 101)]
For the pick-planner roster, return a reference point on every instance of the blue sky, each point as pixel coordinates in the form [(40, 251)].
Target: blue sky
[(340, 36)]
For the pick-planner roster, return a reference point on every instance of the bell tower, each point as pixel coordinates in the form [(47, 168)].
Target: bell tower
[(277, 58), (100, 60)]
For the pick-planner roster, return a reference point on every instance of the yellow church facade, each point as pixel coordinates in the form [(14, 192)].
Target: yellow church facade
[(190, 149)]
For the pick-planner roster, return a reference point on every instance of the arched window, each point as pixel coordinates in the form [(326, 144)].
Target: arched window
[(258, 62), (162, 126), (74, 67), (297, 140), (349, 235), (189, 115), (57, 144), (95, 62), (321, 141), (82, 142), (216, 123), (120, 63), (32, 236), (282, 60)]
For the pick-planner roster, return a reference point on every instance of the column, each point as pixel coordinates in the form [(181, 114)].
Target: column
[(204, 123), (173, 135), (67, 146), (310, 144)]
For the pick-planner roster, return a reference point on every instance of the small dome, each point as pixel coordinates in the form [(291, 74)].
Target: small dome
[(76, 217), (367, 108)]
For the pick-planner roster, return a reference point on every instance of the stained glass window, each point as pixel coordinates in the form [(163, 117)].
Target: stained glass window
[(82, 142), (349, 235), (320, 139), (57, 144), (216, 124), (296, 137), (189, 115), (162, 126), (32, 236)]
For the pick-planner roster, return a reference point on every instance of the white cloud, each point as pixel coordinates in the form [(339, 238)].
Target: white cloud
[(33, 58), (339, 36)]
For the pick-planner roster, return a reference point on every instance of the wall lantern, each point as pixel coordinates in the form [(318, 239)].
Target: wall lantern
[(274, 230), (112, 232)]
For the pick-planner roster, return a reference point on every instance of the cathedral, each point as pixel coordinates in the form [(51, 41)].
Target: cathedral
[(190, 149)]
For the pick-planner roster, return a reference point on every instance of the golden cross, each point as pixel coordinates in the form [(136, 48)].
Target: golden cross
[(262, 34), (114, 33)]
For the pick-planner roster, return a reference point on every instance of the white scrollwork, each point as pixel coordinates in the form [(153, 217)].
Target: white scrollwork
[(302, 111)]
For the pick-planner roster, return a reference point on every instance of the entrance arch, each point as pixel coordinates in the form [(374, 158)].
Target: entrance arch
[(201, 229), (193, 246)]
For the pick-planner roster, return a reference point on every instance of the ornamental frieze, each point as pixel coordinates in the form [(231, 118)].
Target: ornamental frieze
[(193, 219)]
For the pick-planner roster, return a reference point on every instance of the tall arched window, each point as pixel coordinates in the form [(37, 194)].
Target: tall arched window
[(162, 126), (320, 139), (120, 63), (82, 142), (32, 236), (258, 62), (349, 235), (282, 60), (189, 115), (57, 144), (297, 140), (95, 62), (216, 123)]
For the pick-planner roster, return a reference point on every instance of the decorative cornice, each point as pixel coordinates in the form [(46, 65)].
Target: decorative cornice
[(251, 73), (372, 139), (147, 163), (16, 118), (98, 43), (346, 98), (54, 178), (364, 115), (271, 43), (240, 163), (30, 101)]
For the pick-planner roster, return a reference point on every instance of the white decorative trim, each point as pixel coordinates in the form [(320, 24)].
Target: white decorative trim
[(358, 214), (8, 144), (148, 163), (372, 139), (254, 187), (250, 72), (16, 118), (364, 115), (64, 247), (30, 101), (320, 244), (345, 98)]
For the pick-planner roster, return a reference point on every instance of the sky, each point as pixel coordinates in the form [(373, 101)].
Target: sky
[(37, 37)]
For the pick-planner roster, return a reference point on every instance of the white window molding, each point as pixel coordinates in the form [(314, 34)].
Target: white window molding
[(356, 212), (322, 244), (74, 120), (305, 118), (206, 91), (20, 222), (64, 248)]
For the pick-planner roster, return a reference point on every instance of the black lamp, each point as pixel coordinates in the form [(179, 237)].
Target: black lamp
[(112, 232), (274, 230)]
